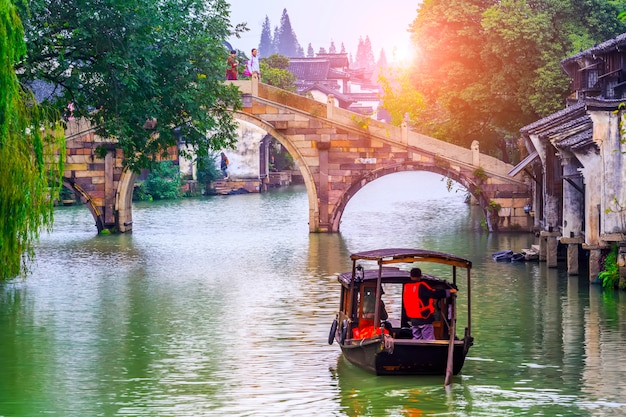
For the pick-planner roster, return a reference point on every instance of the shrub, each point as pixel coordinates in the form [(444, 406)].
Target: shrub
[(163, 183), (207, 169), (609, 276)]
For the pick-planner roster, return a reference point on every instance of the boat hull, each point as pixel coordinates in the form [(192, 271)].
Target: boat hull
[(408, 357)]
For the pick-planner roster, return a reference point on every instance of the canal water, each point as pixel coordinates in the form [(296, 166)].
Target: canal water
[(221, 306)]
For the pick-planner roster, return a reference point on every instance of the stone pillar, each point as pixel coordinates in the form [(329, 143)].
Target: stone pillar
[(405, 129), (475, 153), (330, 105), (109, 190), (594, 264), (573, 198), (573, 247), (405, 133), (549, 240), (255, 85), (543, 243), (324, 180)]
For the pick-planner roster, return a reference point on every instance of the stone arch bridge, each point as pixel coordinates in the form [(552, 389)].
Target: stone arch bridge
[(337, 151)]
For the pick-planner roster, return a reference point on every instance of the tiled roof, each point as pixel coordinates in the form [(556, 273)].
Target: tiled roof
[(344, 100), (555, 118), (335, 74), (579, 123), (604, 47), (336, 60), (309, 69), (570, 128), (578, 141), (43, 90)]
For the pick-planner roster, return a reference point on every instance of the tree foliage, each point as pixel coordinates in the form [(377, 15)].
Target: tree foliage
[(364, 54), (400, 99), (163, 183), (30, 169), (486, 68), (266, 44), (275, 71), (123, 63), (285, 40)]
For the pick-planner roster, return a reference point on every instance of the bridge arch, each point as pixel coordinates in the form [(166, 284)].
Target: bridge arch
[(86, 199), (123, 201), (337, 152), (468, 183), (309, 181)]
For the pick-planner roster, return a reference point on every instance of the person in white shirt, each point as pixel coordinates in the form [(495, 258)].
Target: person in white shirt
[(254, 64)]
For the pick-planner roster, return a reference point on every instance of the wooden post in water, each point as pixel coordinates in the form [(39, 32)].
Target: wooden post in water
[(452, 330)]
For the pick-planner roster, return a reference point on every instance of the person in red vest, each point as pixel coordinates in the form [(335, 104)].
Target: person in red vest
[(419, 304)]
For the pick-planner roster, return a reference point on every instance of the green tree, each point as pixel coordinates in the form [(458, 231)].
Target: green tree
[(30, 169), (285, 39), (208, 168), (486, 68), (400, 98), (266, 44), (163, 183), (123, 63), (310, 53), (274, 71)]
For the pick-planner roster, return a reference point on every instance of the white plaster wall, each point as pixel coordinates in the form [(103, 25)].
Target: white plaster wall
[(612, 175), (245, 158), (573, 200), (592, 174), (186, 166)]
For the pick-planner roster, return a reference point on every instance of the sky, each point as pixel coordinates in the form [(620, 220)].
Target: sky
[(320, 21)]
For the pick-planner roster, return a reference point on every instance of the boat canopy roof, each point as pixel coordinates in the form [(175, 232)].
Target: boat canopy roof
[(388, 275), (398, 255)]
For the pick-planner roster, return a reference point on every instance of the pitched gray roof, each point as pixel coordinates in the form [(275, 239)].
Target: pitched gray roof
[(309, 69), (604, 47)]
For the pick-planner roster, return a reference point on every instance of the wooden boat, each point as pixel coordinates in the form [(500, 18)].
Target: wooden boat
[(531, 254), (502, 256), (386, 346), (518, 257)]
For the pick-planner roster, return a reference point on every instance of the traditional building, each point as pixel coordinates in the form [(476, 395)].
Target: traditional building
[(577, 161), (328, 75)]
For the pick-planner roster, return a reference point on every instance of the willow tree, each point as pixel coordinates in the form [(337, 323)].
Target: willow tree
[(30, 167)]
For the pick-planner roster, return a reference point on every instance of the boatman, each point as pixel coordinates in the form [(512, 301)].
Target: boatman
[(419, 304)]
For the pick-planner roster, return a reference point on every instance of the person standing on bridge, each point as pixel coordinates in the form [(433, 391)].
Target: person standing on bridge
[(231, 66), (254, 64)]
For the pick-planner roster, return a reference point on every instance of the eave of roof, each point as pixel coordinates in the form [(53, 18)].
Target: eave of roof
[(555, 119), (604, 47)]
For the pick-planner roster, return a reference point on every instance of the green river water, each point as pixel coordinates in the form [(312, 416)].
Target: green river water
[(221, 306)]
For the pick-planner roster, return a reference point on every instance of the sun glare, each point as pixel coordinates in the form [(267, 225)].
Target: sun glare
[(402, 54)]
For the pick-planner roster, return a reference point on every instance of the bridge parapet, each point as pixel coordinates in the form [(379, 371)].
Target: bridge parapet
[(337, 151), (341, 151)]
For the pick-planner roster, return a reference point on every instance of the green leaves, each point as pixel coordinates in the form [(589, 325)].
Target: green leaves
[(486, 68), (30, 170), (124, 62), (274, 72)]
